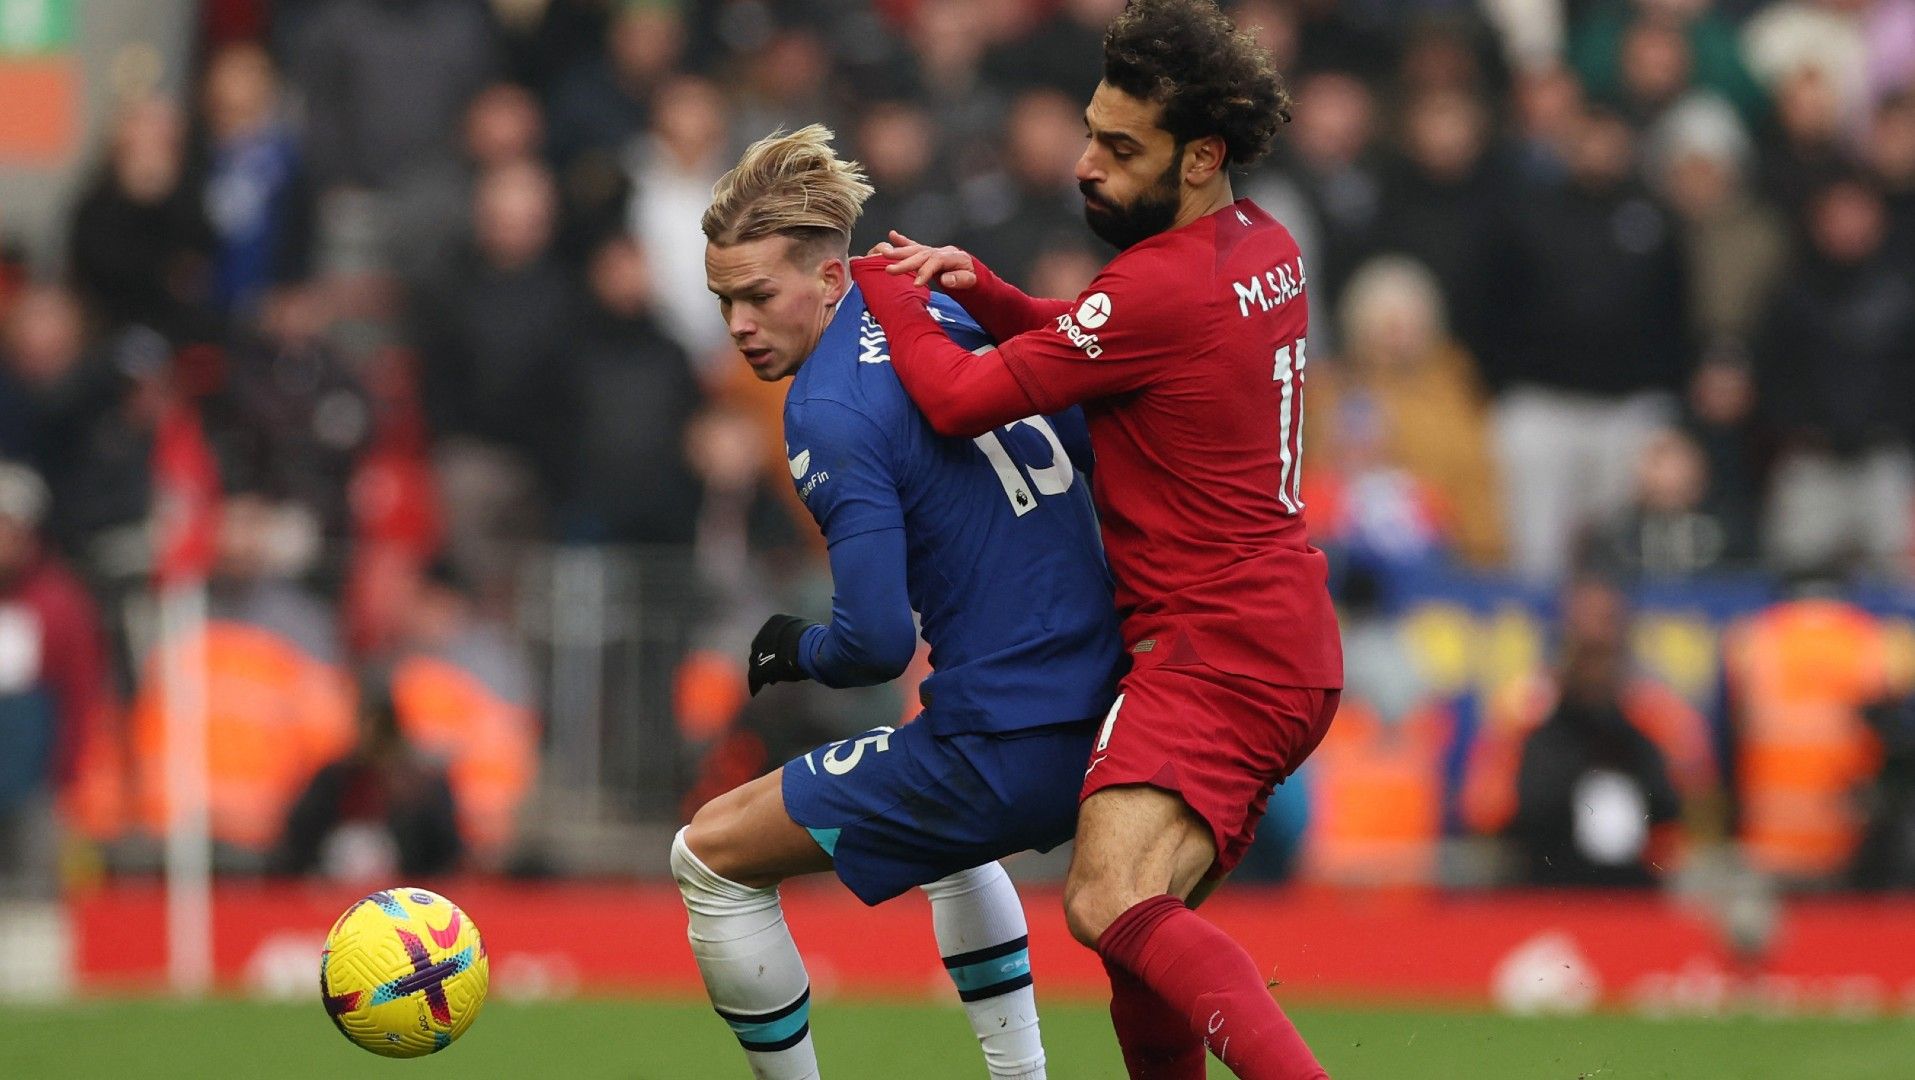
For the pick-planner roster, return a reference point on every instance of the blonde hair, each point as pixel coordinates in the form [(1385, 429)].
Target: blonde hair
[(788, 185)]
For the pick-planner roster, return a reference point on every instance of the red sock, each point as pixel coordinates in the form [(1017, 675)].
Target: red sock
[(1157, 1041), (1209, 980)]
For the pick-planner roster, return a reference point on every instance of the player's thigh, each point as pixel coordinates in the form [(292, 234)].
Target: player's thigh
[(746, 836), (1133, 842)]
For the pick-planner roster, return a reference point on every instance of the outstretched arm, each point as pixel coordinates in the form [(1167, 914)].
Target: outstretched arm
[(961, 394), (1002, 309), (1126, 332)]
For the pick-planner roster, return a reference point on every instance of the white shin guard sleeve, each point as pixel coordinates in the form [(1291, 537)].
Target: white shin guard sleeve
[(753, 974), (986, 947)]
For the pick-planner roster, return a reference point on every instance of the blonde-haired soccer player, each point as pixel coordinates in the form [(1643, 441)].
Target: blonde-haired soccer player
[(992, 541)]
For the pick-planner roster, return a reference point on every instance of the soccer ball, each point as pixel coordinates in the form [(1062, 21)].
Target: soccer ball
[(403, 972)]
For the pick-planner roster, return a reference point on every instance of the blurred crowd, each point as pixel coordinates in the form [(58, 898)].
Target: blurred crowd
[(1606, 294)]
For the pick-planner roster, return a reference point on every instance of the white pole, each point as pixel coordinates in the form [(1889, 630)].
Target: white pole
[(189, 844)]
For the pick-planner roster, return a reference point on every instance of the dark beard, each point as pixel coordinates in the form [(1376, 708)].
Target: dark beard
[(1150, 213)]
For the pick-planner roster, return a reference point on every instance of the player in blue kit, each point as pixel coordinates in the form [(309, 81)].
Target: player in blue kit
[(992, 541)]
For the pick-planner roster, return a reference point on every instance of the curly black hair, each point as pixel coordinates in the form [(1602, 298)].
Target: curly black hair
[(1210, 77)]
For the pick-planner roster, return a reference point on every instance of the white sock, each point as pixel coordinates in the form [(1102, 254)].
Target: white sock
[(752, 971), (986, 948)]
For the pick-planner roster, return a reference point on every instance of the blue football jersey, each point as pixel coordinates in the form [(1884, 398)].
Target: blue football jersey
[(1003, 561)]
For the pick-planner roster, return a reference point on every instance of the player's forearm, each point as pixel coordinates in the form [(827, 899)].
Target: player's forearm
[(960, 393), (1003, 309), (871, 637)]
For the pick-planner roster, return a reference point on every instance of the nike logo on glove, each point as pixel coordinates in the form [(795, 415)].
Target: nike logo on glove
[(766, 658)]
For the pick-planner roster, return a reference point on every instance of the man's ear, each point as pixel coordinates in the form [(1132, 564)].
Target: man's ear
[(835, 275), (1203, 159)]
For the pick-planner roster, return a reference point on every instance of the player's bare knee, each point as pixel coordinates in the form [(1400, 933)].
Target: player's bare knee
[(718, 838), (1091, 904)]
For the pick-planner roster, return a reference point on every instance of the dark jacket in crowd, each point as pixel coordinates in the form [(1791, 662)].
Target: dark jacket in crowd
[(144, 263), (386, 83), (1460, 230), (633, 394), (1598, 289), (1835, 364), (1579, 744), (493, 343)]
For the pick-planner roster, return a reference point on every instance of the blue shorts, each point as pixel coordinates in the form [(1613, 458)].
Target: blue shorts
[(899, 808)]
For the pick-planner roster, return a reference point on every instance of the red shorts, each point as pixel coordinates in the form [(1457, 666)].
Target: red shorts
[(1221, 742)]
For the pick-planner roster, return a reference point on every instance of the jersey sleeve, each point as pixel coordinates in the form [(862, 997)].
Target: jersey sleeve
[(841, 465), (1005, 310), (958, 325), (871, 637), (1124, 330)]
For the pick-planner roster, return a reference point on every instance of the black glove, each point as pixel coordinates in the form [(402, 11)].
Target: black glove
[(774, 652)]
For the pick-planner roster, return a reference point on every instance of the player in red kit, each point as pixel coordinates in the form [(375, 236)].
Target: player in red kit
[(1189, 354)]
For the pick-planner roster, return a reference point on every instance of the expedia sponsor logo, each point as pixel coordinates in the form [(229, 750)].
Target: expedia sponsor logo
[(1068, 327)]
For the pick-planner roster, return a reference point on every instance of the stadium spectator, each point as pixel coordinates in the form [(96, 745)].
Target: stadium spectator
[(1720, 417), (140, 247), (1800, 675), (1891, 160), (1585, 386), (1064, 270), (1808, 145), (354, 61), (949, 43), (1594, 792), (1547, 103), (253, 182), (1031, 202), (596, 105), (292, 416), (88, 418), (1400, 371), (1377, 784), (898, 145), (492, 335), (672, 168), (1444, 51), (431, 213), (1668, 531), (1331, 159), (55, 687), (1447, 206), (786, 83), (382, 809), (1733, 244), (632, 395), (1060, 52), (278, 703), (1825, 37), (462, 689), (1655, 67), (1621, 46), (1835, 365), (1885, 858), (745, 528)]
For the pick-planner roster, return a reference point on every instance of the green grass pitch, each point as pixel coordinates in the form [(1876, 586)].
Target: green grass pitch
[(664, 1040)]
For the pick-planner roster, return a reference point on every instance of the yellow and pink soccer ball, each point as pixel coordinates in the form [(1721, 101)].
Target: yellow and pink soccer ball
[(403, 972)]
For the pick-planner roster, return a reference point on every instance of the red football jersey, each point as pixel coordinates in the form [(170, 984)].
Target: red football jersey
[(1189, 354)]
